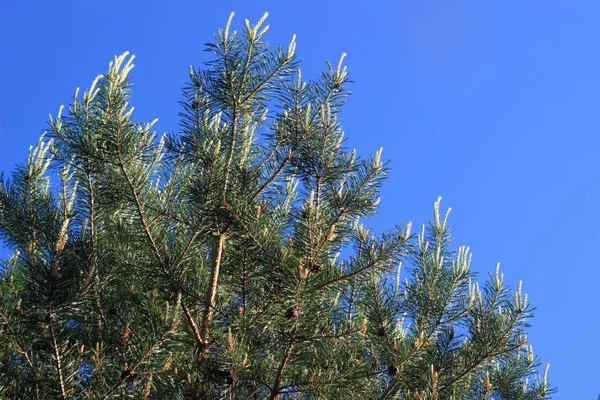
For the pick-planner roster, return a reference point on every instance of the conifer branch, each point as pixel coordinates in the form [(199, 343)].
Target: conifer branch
[(57, 359), (488, 354), (243, 225), (212, 286), (128, 373), (273, 176), (92, 277), (138, 206), (358, 271), (190, 320), (275, 388), (264, 82), (17, 340)]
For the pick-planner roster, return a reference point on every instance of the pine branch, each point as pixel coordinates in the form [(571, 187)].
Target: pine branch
[(273, 176), (57, 358), (358, 271), (212, 286), (190, 320), (275, 387), (92, 278), (265, 81), (17, 338), (140, 212), (488, 354), (129, 372)]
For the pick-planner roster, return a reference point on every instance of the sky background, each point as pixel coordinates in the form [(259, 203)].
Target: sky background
[(491, 105)]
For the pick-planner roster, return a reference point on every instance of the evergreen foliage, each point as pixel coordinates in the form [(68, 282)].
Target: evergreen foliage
[(228, 260)]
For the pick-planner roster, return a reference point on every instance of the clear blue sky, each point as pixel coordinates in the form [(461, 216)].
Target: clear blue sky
[(491, 105)]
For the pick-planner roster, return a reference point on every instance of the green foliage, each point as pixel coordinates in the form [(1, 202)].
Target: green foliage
[(228, 261)]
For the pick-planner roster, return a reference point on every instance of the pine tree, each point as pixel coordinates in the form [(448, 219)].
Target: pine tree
[(229, 261)]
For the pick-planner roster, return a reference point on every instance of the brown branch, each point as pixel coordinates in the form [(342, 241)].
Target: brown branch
[(284, 360), (275, 389), (253, 393), (54, 276), (264, 161), (201, 338), (389, 390), (63, 394), (212, 286), (269, 301), (192, 324)]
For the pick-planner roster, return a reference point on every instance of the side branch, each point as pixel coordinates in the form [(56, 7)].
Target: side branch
[(212, 287), (138, 205), (275, 389), (57, 360), (192, 324)]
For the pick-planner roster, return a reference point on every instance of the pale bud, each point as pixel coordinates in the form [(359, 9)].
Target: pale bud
[(339, 65), (352, 157), (226, 34), (229, 341), (291, 47), (407, 230), (377, 158)]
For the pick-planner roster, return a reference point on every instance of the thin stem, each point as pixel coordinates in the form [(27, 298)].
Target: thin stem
[(138, 206), (139, 362), (92, 278), (275, 389), (18, 341), (488, 354), (212, 286), (265, 81), (57, 359), (244, 277), (358, 271), (274, 176), (192, 324)]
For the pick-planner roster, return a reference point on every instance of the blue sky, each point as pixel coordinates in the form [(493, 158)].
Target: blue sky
[(491, 105)]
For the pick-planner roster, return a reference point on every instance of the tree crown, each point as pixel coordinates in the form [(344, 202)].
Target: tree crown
[(229, 261)]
